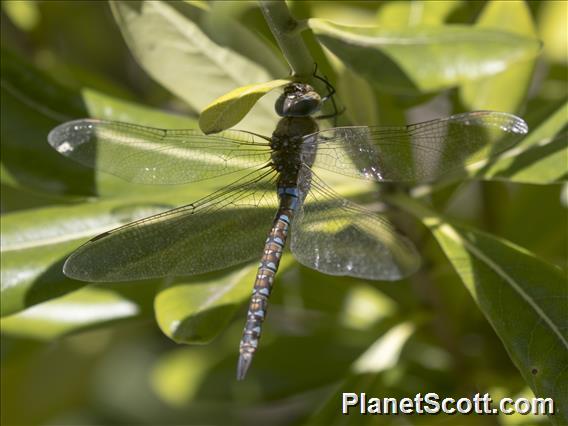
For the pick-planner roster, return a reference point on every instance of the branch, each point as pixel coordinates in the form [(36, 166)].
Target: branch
[(287, 32)]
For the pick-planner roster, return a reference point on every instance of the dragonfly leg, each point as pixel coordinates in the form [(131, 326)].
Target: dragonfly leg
[(328, 96), (334, 114)]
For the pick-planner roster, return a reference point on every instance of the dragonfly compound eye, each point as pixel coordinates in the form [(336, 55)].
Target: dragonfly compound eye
[(292, 105)]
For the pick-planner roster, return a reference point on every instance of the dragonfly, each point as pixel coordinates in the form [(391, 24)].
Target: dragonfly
[(279, 195)]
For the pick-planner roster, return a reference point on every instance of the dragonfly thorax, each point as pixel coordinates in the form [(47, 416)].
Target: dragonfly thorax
[(298, 100), (289, 150)]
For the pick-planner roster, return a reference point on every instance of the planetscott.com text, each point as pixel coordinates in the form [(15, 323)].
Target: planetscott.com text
[(432, 403)]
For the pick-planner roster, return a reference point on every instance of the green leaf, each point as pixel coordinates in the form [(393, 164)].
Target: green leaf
[(198, 309), (231, 108), (400, 14), (505, 91), (33, 103), (522, 297), (174, 43), (35, 243), (385, 352), (34, 275), (419, 60), (84, 309), (553, 30), (24, 14), (225, 26), (540, 158), (102, 106), (358, 98)]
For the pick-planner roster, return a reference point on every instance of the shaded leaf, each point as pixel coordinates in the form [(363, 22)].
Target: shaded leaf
[(533, 219), (522, 297), (33, 103), (174, 45), (505, 91), (229, 109), (418, 60)]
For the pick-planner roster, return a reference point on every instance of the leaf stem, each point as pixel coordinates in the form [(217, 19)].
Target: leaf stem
[(287, 32)]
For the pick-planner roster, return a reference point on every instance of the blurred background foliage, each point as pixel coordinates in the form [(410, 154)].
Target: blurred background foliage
[(82, 354)]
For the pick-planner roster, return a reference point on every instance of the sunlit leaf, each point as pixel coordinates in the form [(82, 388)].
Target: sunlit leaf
[(177, 376), (358, 98), (505, 91), (540, 158), (225, 25), (89, 307), (24, 14), (419, 60), (336, 11), (175, 45), (104, 107), (229, 109), (385, 352), (400, 14), (364, 306), (36, 243), (553, 30), (196, 310), (523, 298)]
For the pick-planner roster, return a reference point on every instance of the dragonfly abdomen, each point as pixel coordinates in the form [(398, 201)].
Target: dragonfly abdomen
[(269, 263)]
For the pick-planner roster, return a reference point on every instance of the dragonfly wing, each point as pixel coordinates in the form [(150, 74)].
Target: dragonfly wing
[(338, 237), (156, 156), (420, 152), (226, 228)]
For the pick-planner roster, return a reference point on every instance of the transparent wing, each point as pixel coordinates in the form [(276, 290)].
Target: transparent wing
[(225, 228), (420, 152), (338, 237), (155, 156)]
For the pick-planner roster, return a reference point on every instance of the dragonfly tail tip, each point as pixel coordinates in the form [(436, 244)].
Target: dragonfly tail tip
[(245, 361)]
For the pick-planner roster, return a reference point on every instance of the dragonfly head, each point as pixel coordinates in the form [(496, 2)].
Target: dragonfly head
[(298, 100)]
